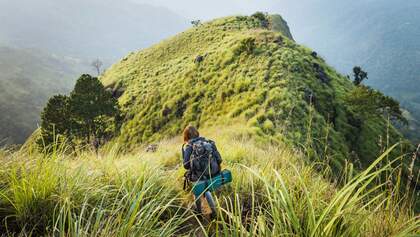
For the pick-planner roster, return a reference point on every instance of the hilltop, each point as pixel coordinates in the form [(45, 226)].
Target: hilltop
[(244, 70)]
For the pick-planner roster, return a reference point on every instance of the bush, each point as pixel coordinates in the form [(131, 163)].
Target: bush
[(262, 18)]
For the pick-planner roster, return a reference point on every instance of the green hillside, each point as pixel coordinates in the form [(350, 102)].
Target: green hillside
[(270, 105), (380, 35), (27, 79), (251, 72)]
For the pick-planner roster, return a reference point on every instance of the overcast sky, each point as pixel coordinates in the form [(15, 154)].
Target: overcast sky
[(208, 9), (296, 13)]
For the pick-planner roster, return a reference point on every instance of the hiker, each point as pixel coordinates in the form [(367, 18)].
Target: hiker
[(202, 161)]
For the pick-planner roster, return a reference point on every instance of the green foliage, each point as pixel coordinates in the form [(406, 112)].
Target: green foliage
[(89, 111), (56, 120), (196, 23), (246, 45), (359, 75), (250, 74), (274, 193), (90, 105), (263, 18), (366, 102)]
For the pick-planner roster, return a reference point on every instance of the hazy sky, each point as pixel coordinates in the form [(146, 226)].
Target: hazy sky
[(296, 13), (207, 9)]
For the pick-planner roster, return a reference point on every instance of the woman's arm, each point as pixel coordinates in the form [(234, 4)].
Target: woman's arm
[(186, 154)]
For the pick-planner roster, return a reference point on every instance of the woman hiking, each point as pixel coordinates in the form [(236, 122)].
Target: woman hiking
[(202, 160)]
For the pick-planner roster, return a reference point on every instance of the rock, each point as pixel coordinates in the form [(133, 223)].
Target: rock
[(309, 96), (199, 59), (320, 73), (152, 148)]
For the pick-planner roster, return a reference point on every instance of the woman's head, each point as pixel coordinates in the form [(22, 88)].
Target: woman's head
[(190, 132)]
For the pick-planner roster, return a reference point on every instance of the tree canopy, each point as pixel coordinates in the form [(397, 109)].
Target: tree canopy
[(87, 112), (367, 102), (55, 119), (359, 75)]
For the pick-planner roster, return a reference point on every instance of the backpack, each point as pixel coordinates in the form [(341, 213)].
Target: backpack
[(203, 163)]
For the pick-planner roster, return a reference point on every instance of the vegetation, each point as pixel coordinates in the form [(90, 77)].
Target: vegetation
[(275, 192), (88, 112), (284, 122), (247, 72), (382, 37), (366, 102), (196, 23), (359, 75), (55, 120)]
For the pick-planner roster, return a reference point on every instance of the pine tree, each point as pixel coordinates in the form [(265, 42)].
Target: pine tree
[(55, 120), (90, 106)]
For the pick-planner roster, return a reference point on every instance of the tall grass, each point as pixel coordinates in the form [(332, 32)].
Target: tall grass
[(274, 193)]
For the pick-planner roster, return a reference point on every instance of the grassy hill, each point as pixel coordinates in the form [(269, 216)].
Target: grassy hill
[(380, 35), (249, 92), (27, 79), (249, 74)]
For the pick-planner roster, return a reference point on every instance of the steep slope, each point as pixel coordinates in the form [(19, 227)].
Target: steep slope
[(234, 70), (380, 35), (27, 79)]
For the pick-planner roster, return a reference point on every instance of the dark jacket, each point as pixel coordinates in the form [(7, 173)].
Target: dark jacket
[(187, 150)]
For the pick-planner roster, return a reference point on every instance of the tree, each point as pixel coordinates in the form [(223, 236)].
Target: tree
[(359, 75), (263, 18), (55, 120), (97, 64), (90, 106), (367, 102), (196, 23)]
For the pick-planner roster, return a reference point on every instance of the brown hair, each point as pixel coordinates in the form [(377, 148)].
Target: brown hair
[(189, 133)]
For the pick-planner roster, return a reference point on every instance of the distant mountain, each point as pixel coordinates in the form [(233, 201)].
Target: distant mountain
[(380, 35), (27, 79), (48, 43), (85, 28)]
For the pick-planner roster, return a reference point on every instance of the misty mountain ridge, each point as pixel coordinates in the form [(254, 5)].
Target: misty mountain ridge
[(86, 29), (47, 44), (29, 77)]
